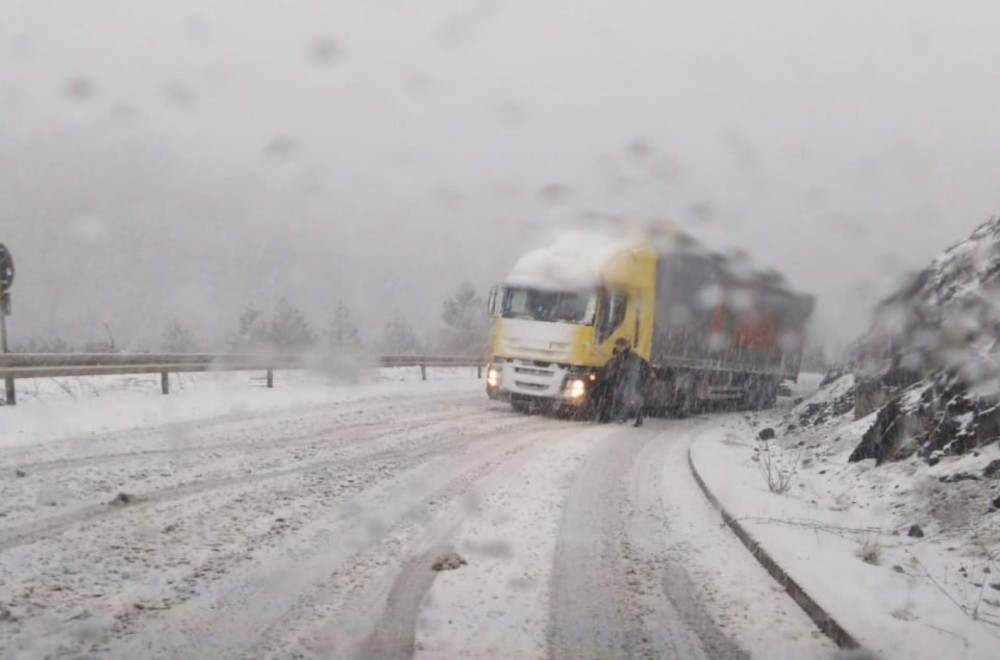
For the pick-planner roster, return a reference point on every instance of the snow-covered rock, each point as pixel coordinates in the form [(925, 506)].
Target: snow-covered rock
[(929, 369), (946, 318)]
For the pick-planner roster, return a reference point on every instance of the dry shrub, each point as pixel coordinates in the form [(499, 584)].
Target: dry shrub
[(777, 474), (871, 551)]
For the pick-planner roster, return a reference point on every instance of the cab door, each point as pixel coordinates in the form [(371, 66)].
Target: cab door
[(611, 317)]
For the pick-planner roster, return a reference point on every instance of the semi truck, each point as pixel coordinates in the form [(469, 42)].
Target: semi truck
[(713, 329)]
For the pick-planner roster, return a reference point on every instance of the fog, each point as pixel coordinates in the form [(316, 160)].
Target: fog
[(176, 160)]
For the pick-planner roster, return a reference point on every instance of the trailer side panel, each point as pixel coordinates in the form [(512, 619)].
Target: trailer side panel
[(710, 316)]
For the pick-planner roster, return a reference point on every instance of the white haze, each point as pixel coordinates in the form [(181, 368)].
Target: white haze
[(184, 159)]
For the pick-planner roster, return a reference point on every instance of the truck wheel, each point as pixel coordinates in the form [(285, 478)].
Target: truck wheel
[(762, 395), (682, 405), (771, 398)]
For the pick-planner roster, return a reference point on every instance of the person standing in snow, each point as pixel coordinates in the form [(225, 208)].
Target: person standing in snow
[(631, 375), (606, 393)]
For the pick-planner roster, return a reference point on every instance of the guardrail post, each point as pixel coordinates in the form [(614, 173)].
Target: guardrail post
[(423, 372), (479, 371), (11, 393), (270, 378), (165, 382)]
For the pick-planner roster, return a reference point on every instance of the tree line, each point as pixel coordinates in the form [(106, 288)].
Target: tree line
[(285, 328)]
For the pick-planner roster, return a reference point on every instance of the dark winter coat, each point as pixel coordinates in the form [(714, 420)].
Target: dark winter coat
[(631, 376)]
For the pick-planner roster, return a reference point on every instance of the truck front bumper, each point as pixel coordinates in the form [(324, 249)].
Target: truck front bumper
[(522, 380)]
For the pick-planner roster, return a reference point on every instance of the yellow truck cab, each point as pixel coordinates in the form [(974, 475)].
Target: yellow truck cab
[(558, 314)]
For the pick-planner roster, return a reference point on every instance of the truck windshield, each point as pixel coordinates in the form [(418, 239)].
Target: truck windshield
[(545, 305)]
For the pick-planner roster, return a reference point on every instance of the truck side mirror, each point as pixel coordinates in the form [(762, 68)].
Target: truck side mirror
[(491, 302)]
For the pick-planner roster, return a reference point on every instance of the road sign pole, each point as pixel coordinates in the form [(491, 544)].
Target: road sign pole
[(11, 393), (6, 281)]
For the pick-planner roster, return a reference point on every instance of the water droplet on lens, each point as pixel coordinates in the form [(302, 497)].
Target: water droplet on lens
[(80, 88), (279, 149), (326, 52)]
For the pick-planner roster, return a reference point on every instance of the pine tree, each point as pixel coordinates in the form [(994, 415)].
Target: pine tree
[(177, 338), (343, 335), (289, 330), (467, 320), (253, 334), (398, 337)]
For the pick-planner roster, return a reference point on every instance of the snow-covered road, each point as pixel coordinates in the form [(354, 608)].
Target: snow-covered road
[(311, 532)]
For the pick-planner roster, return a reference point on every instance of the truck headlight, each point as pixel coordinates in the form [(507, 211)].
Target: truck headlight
[(493, 377), (576, 388)]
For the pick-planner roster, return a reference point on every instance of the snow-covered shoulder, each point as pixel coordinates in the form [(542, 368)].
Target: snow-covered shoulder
[(896, 554), (56, 409)]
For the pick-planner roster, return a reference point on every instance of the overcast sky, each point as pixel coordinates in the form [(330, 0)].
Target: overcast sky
[(183, 159)]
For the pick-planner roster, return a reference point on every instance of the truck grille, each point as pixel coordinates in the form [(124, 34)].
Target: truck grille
[(531, 386), (528, 371)]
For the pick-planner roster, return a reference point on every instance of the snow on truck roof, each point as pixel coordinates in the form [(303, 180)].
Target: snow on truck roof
[(573, 261)]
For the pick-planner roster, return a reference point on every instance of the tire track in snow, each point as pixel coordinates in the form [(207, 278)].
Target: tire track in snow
[(291, 600), (611, 593), (588, 607), (497, 606), (695, 580), (355, 599), (394, 637), (14, 536), (213, 427), (665, 598)]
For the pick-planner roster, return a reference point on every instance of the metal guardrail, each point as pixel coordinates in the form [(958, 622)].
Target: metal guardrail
[(15, 366)]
